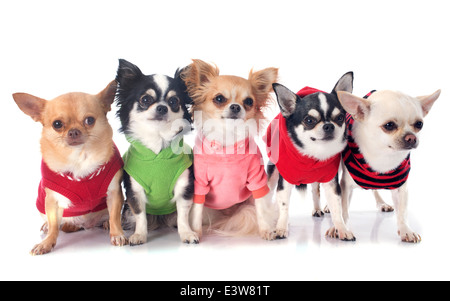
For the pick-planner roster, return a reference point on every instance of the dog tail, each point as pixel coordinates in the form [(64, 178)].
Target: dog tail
[(241, 220)]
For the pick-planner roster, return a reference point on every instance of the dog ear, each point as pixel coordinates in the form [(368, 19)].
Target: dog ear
[(286, 99), (428, 101), (200, 73), (31, 105), (345, 83), (261, 82), (127, 73), (107, 95), (356, 106)]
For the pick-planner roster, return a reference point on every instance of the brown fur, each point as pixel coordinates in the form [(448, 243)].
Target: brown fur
[(95, 149), (204, 83)]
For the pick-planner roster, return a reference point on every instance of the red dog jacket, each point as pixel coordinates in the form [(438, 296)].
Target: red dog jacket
[(293, 166), (87, 194)]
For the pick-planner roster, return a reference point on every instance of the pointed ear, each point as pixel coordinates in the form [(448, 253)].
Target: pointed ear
[(200, 73), (345, 83), (286, 99), (107, 95), (179, 78), (261, 82), (428, 101), (358, 107), (127, 73), (31, 105)]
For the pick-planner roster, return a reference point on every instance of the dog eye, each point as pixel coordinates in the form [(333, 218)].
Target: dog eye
[(57, 124), (310, 121), (220, 99), (418, 125), (340, 118), (248, 102), (89, 120), (173, 101), (390, 126), (146, 101)]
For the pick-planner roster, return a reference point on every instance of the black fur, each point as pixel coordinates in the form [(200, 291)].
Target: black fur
[(307, 103), (132, 85)]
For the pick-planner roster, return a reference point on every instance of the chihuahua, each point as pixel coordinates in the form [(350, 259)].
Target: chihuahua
[(229, 168), (304, 143), (159, 177), (382, 129), (81, 166)]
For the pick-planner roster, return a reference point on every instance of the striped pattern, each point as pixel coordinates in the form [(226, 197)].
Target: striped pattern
[(361, 172)]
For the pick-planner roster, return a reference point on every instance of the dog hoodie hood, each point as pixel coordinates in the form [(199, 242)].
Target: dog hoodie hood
[(293, 166), (87, 194)]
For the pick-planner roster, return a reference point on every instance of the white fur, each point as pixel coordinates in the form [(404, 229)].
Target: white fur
[(320, 149), (323, 102), (154, 134), (162, 82), (380, 149)]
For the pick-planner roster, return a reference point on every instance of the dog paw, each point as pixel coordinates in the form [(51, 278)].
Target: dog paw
[(189, 238), (318, 213), (119, 240), (44, 247), (410, 236), (137, 239), (268, 234), (386, 208), (326, 209), (281, 233), (342, 234)]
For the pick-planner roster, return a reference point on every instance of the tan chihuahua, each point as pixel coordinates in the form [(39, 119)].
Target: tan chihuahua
[(81, 166)]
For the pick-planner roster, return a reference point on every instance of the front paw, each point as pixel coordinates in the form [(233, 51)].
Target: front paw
[(118, 240), (281, 233), (318, 213), (138, 239), (268, 234), (189, 237), (407, 235), (341, 233), (44, 247)]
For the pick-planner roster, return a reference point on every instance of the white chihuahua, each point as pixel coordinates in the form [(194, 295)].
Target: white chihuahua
[(382, 129)]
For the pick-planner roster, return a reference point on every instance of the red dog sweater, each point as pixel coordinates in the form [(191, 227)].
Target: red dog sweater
[(87, 194), (361, 172), (292, 165)]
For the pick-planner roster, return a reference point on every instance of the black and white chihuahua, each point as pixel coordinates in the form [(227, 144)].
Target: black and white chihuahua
[(158, 172), (304, 144)]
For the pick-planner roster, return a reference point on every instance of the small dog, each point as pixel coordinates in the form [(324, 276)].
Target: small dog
[(229, 168), (158, 177), (81, 167), (304, 143), (382, 129)]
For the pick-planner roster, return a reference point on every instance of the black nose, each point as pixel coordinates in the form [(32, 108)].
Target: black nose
[(161, 110), (235, 108), (74, 133), (328, 127)]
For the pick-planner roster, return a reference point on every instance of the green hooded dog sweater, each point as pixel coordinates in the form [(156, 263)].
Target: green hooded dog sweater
[(157, 173)]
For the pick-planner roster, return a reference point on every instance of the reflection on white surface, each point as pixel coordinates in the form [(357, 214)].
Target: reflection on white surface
[(377, 254)]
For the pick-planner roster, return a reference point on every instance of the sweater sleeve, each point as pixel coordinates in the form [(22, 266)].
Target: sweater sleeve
[(201, 183), (257, 178)]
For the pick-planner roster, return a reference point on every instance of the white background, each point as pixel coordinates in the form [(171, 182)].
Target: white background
[(52, 47)]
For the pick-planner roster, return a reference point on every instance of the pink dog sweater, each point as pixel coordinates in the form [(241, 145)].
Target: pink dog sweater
[(225, 176), (293, 166), (87, 194)]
